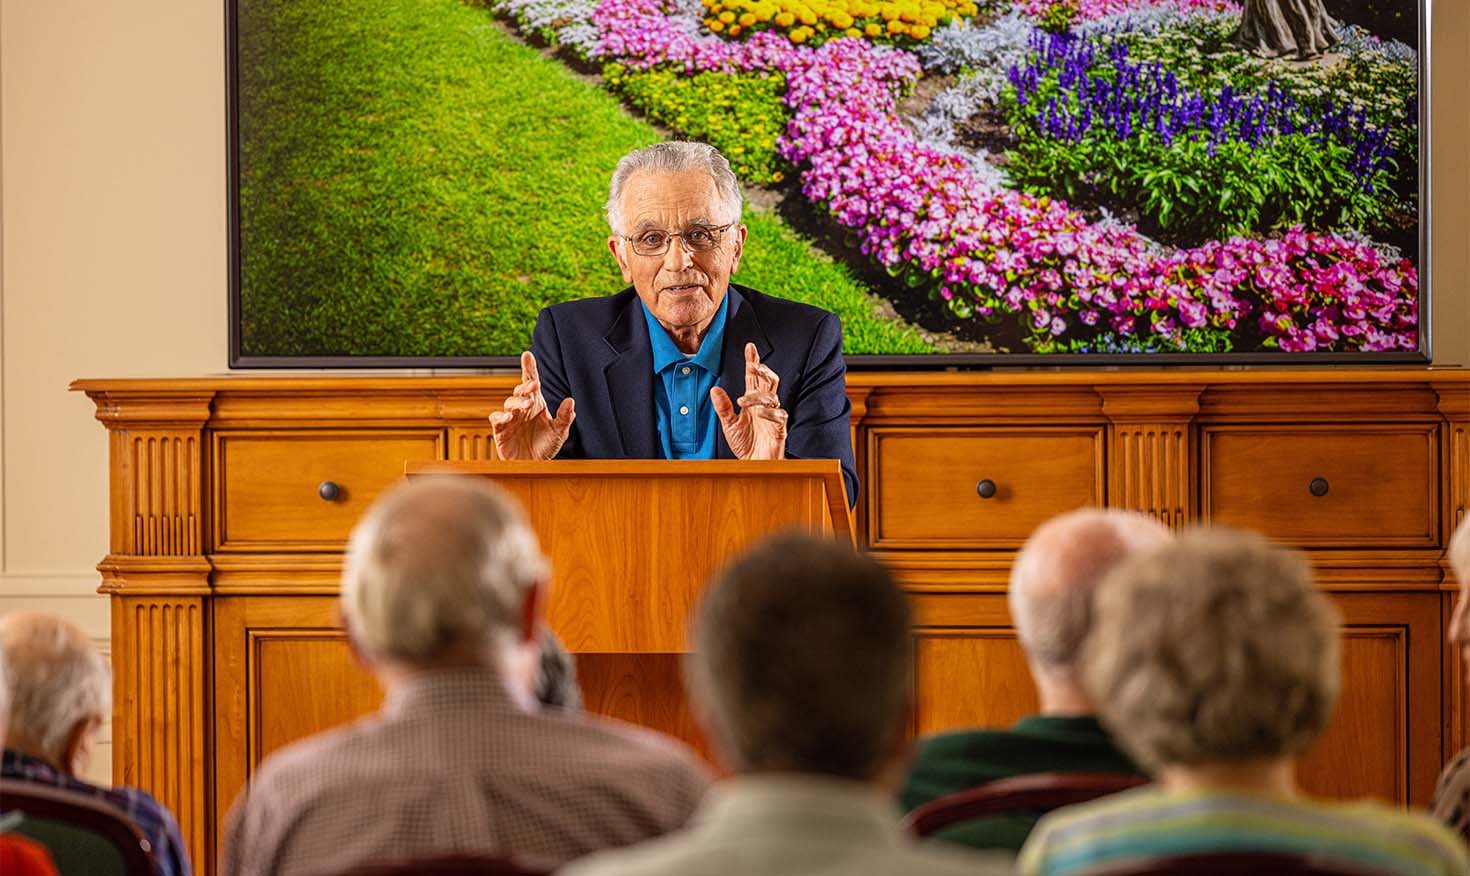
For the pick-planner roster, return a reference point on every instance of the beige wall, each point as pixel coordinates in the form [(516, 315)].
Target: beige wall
[(113, 259)]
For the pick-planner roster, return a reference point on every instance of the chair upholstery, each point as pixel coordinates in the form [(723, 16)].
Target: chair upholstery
[(1035, 792), (85, 836), (452, 865), (1233, 863)]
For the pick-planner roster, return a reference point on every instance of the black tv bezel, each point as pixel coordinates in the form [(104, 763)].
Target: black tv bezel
[(862, 361)]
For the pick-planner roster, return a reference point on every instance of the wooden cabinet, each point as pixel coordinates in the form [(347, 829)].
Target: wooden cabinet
[(224, 556)]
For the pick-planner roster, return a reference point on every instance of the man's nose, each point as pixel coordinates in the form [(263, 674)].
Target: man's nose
[(677, 258)]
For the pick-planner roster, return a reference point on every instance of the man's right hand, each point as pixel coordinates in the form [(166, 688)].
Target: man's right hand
[(525, 428)]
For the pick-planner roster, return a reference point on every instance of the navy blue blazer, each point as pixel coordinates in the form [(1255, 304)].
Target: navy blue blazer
[(597, 351)]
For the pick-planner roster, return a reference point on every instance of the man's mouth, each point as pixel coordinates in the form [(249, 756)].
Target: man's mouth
[(679, 290)]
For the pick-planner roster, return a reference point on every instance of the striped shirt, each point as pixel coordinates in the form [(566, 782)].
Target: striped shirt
[(155, 822), (1148, 822), (453, 765)]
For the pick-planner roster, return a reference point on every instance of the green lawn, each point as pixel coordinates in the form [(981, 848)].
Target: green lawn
[(416, 183)]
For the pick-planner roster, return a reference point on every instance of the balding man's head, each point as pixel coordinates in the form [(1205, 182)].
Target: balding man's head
[(439, 568), (59, 685), (1054, 575)]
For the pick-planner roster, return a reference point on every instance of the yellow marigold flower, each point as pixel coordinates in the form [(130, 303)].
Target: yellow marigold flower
[(747, 19), (785, 20), (873, 29), (840, 20), (798, 36), (919, 31), (852, 32), (777, 176), (807, 16), (889, 13), (734, 30), (716, 25), (727, 16), (897, 27)]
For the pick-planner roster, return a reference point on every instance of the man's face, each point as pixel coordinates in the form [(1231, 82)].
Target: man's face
[(682, 289)]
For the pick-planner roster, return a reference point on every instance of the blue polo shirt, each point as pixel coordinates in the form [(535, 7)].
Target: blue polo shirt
[(686, 419)]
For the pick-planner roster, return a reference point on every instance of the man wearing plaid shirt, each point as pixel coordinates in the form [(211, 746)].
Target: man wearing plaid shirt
[(441, 596), (60, 691)]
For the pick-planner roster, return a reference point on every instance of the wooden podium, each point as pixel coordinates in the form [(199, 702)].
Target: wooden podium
[(632, 543)]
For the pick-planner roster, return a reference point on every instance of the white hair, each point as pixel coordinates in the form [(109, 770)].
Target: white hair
[(56, 680), (1054, 575), (674, 156), (436, 565)]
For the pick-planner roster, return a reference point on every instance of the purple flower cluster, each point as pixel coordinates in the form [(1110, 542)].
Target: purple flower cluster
[(923, 213), (1085, 95)]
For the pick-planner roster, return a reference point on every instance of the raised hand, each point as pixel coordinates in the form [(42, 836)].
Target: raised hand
[(525, 429), (759, 430)]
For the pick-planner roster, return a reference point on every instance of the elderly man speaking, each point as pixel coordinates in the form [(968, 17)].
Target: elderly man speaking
[(648, 373)]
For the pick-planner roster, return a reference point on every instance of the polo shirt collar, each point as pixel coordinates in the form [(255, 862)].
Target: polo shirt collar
[(708, 357)]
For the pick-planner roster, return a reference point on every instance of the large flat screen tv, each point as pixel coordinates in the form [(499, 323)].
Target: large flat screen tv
[(964, 182)]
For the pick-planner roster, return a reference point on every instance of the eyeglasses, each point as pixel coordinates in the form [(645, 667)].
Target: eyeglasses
[(699, 238)]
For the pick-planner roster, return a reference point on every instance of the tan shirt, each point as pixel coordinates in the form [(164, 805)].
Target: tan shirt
[(793, 825), (452, 765)]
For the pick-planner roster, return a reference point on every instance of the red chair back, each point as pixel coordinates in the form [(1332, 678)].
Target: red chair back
[(449, 865), (1035, 792), (1233, 863), (84, 835)]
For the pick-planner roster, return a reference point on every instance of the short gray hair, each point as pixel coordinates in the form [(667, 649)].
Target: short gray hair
[(1053, 577), (1459, 550), (438, 564), (56, 677), (674, 156), (1215, 647), (802, 660)]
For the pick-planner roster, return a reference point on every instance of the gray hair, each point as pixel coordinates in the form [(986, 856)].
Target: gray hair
[(56, 677), (1459, 550), (674, 156), (1054, 575), (436, 565), (802, 660), (1215, 647)]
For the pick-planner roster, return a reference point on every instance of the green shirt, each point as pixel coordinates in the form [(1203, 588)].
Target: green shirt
[(951, 762), (1147, 822)]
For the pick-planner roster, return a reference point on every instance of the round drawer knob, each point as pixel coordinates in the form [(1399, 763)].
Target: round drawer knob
[(1319, 486), (329, 491), (985, 488)]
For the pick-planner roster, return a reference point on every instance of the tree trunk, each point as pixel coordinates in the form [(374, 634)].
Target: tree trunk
[(1274, 28)]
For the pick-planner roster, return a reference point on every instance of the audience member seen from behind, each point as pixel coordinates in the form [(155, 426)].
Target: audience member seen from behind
[(60, 693), (1050, 599), (1452, 796), (19, 856), (800, 674), (1214, 662), (441, 596)]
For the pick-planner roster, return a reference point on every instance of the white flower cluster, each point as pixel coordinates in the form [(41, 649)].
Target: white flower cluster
[(567, 23)]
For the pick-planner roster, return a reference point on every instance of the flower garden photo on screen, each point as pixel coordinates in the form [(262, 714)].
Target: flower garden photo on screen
[(417, 178)]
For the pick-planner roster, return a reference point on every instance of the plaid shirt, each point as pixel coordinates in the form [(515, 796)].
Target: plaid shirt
[(155, 822), (453, 765)]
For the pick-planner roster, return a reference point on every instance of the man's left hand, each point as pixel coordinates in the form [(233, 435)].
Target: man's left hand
[(759, 430)]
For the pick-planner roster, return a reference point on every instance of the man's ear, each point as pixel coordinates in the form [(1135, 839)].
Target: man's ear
[(358, 655), (532, 609), (76, 751), (617, 251), (740, 232)]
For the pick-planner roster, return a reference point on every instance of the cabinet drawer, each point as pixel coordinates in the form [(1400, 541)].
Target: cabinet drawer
[(1332, 486), (267, 484), (925, 484)]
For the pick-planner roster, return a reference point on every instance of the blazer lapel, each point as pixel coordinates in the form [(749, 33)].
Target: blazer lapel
[(630, 383), (741, 326)]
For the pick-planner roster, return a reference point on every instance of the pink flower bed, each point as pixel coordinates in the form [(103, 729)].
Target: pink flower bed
[(991, 253)]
